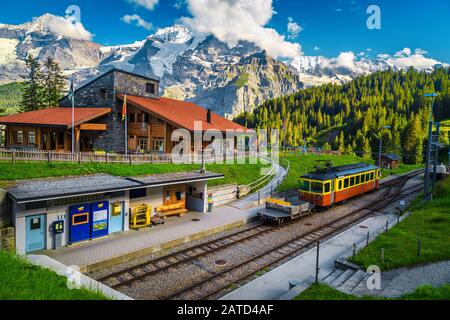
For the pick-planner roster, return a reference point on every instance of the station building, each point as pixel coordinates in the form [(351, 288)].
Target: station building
[(50, 213), (151, 119)]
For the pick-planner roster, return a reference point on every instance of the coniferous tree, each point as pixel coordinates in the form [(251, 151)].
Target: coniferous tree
[(33, 89), (367, 150), (54, 83), (413, 147)]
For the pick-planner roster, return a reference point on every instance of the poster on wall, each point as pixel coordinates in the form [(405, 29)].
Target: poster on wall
[(100, 217)]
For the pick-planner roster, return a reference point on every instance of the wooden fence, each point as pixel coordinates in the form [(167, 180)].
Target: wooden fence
[(14, 156)]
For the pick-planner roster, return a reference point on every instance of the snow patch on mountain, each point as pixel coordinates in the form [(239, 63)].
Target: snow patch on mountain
[(8, 50)]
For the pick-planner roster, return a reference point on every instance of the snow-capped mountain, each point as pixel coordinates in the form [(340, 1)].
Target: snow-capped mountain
[(191, 66)]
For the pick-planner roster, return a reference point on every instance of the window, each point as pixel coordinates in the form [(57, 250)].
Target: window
[(132, 118), (150, 88), (358, 179), (304, 185), (138, 193), (346, 183), (139, 117), (352, 181), (363, 178), (146, 118), (31, 138), (142, 144), (316, 187), (372, 176), (340, 184), (179, 195), (19, 137), (327, 187), (35, 224), (82, 218), (367, 177), (103, 93), (158, 145)]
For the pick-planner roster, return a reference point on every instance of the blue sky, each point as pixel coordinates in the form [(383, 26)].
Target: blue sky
[(329, 26)]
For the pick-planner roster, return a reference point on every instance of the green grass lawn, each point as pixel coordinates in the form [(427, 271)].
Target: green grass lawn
[(324, 292), (430, 223), (20, 280), (234, 173)]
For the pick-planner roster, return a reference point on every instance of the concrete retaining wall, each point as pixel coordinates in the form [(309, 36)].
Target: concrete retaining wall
[(7, 239)]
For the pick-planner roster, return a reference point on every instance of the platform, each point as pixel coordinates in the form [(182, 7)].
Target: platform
[(118, 248)]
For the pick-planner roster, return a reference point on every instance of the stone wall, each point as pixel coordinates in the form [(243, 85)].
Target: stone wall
[(101, 93), (7, 240), (5, 212)]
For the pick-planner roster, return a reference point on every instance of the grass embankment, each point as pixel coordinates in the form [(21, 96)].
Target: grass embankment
[(20, 280), (430, 223), (302, 164), (324, 292), (234, 173)]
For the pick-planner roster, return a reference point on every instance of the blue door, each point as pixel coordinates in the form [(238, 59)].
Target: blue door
[(116, 217), (79, 223), (35, 233), (100, 219)]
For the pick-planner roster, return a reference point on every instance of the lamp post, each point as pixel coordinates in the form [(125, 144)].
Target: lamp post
[(428, 154), (381, 145)]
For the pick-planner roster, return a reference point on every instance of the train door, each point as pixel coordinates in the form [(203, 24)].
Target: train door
[(100, 219), (116, 217), (79, 223), (332, 191), (35, 233)]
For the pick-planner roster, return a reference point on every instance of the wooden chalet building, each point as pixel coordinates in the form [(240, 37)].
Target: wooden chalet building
[(98, 118)]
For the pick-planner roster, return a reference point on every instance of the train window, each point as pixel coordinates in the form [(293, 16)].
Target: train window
[(352, 181), (367, 177), (346, 183), (316, 187), (358, 179), (363, 178), (304, 185), (340, 184), (327, 187), (372, 176)]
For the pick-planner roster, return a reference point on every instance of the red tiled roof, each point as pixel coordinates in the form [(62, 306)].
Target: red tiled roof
[(182, 114), (55, 116)]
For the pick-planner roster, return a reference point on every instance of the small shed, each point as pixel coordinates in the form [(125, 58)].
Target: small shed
[(390, 161)]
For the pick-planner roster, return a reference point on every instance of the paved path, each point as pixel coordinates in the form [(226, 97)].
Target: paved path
[(246, 202), (401, 281), (275, 283)]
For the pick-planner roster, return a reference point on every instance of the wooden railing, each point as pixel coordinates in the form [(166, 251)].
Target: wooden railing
[(11, 155)]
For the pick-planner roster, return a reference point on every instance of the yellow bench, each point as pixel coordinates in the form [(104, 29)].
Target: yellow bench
[(171, 210)]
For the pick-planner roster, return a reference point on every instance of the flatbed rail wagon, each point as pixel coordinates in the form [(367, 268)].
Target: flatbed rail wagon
[(278, 211)]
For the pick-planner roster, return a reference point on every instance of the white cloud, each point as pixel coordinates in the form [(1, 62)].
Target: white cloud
[(346, 60), (403, 53), (67, 27), (316, 48), (137, 20), (293, 28), (148, 4), (234, 20)]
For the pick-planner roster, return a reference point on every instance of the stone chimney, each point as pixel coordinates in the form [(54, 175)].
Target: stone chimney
[(208, 116)]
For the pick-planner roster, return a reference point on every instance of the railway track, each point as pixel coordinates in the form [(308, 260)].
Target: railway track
[(214, 284), (218, 281)]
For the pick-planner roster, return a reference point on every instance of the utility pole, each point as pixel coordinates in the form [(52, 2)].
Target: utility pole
[(429, 144), (436, 154)]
